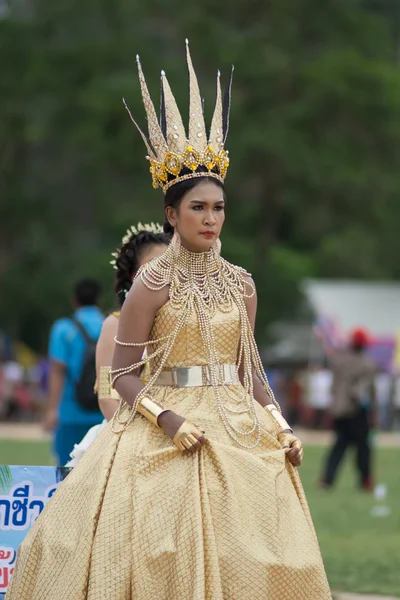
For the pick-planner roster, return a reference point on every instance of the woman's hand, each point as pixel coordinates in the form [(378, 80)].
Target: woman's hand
[(292, 446), (184, 434)]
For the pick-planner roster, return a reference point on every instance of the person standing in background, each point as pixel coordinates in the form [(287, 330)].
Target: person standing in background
[(140, 245), (65, 416), (352, 408)]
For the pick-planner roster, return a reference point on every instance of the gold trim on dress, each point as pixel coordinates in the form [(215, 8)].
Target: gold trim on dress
[(105, 390)]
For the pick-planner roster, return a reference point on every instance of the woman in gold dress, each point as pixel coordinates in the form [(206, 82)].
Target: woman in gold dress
[(192, 491)]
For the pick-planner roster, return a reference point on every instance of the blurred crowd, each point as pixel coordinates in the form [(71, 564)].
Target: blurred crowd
[(23, 389), (304, 394)]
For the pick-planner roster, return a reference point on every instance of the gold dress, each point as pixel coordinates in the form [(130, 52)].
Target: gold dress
[(138, 520)]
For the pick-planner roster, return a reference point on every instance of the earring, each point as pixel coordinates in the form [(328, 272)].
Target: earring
[(176, 242), (217, 246)]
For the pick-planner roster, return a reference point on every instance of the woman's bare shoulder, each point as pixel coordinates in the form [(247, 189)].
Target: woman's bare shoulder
[(248, 279), (147, 299), (109, 328), (250, 289)]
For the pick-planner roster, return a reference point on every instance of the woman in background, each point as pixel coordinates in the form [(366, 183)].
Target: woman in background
[(139, 245)]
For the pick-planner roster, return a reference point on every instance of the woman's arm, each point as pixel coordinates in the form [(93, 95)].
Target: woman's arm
[(135, 324), (259, 391), (134, 327), (104, 355), (293, 446)]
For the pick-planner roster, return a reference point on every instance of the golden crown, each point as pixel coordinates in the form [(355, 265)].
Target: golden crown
[(169, 148), (135, 230)]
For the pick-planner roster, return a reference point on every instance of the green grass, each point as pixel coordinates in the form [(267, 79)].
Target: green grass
[(15, 452), (361, 552)]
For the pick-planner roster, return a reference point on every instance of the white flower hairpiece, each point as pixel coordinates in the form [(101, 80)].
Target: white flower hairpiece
[(135, 230)]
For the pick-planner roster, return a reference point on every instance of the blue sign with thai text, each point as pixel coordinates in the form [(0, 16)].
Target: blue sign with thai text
[(24, 492)]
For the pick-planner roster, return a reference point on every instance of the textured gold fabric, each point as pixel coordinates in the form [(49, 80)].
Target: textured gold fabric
[(138, 520), (103, 385)]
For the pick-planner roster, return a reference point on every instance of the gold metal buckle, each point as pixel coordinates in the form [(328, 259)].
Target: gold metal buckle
[(198, 376)]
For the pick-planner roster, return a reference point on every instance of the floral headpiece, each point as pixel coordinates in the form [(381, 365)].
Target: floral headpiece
[(135, 230)]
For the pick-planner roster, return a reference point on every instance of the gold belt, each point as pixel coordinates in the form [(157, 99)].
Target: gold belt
[(198, 376)]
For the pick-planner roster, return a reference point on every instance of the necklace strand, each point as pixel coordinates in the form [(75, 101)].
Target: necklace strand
[(205, 283)]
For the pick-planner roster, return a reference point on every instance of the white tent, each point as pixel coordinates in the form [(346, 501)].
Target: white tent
[(351, 304), (345, 304)]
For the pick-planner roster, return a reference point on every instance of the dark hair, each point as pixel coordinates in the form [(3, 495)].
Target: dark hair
[(174, 194), (87, 292), (128, 259)]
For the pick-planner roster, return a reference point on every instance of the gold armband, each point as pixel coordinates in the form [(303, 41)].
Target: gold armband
[(150, 409), (279, 418), (105, 389)]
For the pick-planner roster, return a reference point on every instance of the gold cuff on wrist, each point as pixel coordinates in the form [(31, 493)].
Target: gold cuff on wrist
[(150, 409), (279, 418), (105, 389)]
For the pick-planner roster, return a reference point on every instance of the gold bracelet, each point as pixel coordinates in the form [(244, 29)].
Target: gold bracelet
[(150, 409), (279, 418), (105, 389)]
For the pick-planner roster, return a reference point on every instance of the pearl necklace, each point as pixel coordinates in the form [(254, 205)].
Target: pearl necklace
[(205, 282)]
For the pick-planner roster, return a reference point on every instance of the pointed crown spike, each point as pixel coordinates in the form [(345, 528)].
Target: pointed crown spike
[(173, 155), (216, 134), (197, 127), (226, 105), (175, 130), (156, 137)]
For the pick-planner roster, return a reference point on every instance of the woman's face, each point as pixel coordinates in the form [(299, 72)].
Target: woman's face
[(151, 252), (200, 216)]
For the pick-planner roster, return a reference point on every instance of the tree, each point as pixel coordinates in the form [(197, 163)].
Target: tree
[(313, 185)]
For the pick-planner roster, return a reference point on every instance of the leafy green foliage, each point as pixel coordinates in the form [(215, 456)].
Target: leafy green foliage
[(313, 186)]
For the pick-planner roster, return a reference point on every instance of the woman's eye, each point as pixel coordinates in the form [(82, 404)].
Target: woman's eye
[(200, 207)]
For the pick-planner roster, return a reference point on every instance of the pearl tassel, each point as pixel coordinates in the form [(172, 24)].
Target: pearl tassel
[(204, 282)]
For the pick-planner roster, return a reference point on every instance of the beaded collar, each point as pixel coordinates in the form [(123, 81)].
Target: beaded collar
[(199, 277), (203, 282)]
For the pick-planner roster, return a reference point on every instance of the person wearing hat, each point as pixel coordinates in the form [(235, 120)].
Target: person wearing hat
[(352, 408)]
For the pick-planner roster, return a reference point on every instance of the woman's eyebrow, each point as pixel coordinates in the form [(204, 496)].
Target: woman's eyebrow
[(204, 202)]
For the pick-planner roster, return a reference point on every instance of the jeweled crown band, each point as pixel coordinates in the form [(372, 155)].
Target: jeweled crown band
[(191, 176)]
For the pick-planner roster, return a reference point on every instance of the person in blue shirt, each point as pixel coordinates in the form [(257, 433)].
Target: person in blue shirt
[(69, 421)]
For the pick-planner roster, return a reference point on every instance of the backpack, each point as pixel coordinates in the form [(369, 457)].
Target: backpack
[(85, 395)]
